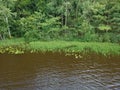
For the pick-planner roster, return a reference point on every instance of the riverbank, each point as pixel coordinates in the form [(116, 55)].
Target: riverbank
[(18, 46)]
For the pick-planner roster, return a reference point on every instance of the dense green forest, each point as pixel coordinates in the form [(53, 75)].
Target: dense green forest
[(81, 20)]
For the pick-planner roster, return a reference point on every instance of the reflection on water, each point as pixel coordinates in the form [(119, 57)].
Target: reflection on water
[(58, 72)]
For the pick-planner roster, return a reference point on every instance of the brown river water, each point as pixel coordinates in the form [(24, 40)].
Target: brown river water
[(59, 72)]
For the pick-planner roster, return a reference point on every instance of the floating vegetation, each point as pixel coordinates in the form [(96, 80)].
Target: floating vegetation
[(76, 55), (12, 50)]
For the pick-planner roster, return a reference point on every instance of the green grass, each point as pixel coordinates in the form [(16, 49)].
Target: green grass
[(65, 46), (19, 46), (11, 42)]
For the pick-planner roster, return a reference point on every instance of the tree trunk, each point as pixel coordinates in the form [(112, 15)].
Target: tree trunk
[(62, 16), (9, 33), (1, 37), (77, 10), (62, 20), (66, 15)]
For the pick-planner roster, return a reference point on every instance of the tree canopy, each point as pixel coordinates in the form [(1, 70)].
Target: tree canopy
[(82, 20)]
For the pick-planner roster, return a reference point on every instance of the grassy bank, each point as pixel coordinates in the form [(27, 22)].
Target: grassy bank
[(18, 46)]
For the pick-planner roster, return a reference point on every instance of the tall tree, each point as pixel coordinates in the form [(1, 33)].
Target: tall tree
[(5, 15)]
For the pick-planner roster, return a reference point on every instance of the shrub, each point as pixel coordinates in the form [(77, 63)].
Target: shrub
[(32, 35)]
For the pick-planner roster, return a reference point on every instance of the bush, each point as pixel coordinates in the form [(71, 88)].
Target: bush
[(115, 38), (32, 35), (90, 37), (106, 37), (110, 37)]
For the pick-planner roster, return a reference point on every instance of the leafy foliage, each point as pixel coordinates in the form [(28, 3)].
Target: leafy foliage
[(83, 20)]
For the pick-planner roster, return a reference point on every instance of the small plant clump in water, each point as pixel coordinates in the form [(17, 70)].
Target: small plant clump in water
[(12, 50), (74, 54)]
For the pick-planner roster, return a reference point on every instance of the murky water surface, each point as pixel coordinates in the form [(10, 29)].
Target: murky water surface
[(58, 72)]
